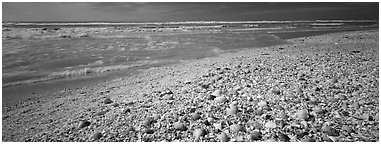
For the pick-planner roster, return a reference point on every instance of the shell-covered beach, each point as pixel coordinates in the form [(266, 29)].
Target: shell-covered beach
[(319, 88)]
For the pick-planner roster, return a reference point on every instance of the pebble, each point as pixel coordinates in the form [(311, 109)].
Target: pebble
[(180, 126), (195, 116), (232, 110), (262, 103), (83, 123), (107, 101), (223, 137), (96, 135), (235, 128), (270, 125), (302, 114), (256, 135), (199, 132), (221, 99), (216, 93)]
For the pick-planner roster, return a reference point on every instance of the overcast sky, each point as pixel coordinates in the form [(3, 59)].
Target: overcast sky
[(107, 11)]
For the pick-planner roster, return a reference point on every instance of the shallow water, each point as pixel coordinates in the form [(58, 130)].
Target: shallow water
[(41, 59)]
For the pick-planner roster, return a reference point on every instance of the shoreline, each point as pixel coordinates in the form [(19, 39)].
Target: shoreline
[(64, 111), (35, 87)]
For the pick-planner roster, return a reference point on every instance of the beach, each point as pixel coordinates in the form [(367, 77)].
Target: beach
[(319, 88)]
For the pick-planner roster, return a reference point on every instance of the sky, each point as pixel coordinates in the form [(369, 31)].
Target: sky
[(182, 11)]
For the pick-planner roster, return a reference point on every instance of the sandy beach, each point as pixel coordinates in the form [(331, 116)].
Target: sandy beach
[(320, 88)]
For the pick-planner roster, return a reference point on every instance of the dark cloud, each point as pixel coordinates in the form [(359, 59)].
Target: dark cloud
[(179, 11)]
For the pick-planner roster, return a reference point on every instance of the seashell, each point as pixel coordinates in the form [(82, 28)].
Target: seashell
[(217, 126), (318, 110), (298, 90), (195, 116), (307, 139), (330, 131), (199, 132), (148, 131), (302, 114), (332, 81), (256, 135), (156, 117), (130, 128), (270, 125), (180, 126), (221, 99), (211, 119), (262, 103), (115, 104), (216, 93), (223, 137), (314, 99), (107, 101), (258, 112), (232, 110), (275, 91), (211, 97), (283, 138), (96, 135), (347, 128), (356, 105), (235, 128), (83, 123)]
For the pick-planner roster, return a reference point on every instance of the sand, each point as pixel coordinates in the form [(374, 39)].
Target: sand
[(338, 69)]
